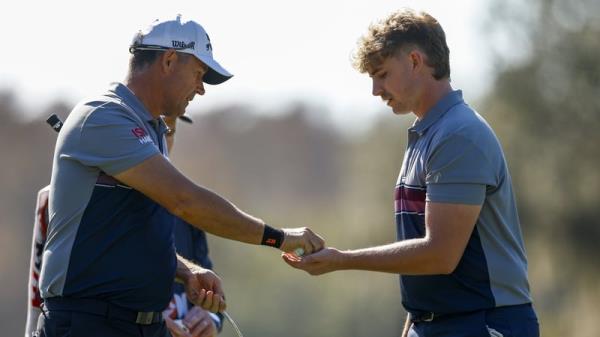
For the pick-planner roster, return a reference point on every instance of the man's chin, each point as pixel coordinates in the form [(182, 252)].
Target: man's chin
[(400, 112), (175, 113)]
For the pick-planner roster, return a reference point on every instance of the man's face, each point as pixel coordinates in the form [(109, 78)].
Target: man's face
[(183, 83), (395, 82)]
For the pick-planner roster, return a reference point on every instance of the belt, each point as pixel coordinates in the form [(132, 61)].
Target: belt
[(429, 316), (422, 317), (417, 317), (102, 308)]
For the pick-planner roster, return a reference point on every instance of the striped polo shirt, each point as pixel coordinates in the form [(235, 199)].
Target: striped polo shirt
[(453, 156)]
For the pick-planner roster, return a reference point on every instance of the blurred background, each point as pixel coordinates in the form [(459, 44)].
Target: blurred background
[(297, 139)]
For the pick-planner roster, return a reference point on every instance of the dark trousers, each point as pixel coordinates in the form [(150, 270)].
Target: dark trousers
[(79, 324), (510, 321)]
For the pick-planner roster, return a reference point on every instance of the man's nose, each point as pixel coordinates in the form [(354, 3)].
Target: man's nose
[(200, 88), (376, 89)]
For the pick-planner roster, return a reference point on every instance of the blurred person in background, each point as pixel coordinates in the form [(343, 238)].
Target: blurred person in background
[(109, 260), (459, 251), (182, 317)]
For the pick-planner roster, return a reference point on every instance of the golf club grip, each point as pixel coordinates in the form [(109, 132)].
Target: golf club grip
[(55, 122)]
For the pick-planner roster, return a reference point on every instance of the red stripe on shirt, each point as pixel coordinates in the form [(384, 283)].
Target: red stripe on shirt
[(409, 199)]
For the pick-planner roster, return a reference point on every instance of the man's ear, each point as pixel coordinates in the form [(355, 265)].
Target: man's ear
[(416, 59), (168, 60)]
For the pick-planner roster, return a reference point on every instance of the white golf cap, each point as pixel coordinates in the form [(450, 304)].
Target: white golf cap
[(185, 36)]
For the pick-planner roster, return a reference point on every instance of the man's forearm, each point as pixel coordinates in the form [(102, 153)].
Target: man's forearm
[(409, 257), (220, 206), (210, 212), (159, 180), (184, 269)]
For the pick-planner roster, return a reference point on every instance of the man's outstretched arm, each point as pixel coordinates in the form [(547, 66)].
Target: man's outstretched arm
[(448, 229), (159, 180)]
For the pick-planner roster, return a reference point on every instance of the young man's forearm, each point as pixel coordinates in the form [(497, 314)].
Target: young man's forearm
[(409, 257)]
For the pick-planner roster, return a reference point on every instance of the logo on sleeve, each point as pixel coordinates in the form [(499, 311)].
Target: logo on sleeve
[(141, 135)]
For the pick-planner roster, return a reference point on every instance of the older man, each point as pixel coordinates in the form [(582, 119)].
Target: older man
[(109, 260), (182, 318)]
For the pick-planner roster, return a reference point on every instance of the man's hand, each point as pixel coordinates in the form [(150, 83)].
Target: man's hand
[(203, 288), (301, 238), (321, 262), (199, 323), (176, 329)]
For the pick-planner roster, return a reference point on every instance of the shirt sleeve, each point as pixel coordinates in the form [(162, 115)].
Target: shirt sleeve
[(218, 320), (113, 141), (458, 172)]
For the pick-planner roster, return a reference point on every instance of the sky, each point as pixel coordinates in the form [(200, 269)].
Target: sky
[(279, 51)]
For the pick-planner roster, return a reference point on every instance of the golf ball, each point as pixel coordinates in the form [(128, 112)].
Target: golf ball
[(299, 251)]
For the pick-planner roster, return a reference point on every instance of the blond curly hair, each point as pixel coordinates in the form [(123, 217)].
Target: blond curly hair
[(401, 29)]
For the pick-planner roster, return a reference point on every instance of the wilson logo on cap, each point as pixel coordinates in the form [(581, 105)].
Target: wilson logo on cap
[(183, 45)]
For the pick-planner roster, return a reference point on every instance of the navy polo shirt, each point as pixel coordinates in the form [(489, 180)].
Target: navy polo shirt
[(106, 240)]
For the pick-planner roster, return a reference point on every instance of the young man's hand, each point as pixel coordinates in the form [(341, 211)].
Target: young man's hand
[(321, 262)]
